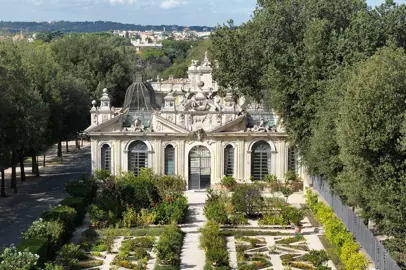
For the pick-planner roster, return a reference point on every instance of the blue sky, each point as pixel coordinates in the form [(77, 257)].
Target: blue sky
[(181, 12)]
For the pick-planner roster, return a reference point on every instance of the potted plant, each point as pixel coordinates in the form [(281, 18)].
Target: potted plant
[(69, 256), (286, 191), (228, 182), (272, 183), (295, 217)]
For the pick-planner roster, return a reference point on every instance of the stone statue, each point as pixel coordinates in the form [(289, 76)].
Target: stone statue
[(137, 125), (200, 134), (262, 127)]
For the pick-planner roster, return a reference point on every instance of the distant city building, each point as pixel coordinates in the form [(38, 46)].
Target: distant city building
[(159, 36), (140, 45)]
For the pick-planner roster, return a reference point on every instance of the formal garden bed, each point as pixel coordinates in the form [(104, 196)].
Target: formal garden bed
[(115, 206), (251, 231)]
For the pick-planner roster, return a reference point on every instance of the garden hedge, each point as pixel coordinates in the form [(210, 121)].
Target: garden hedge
[(336, 233), (86, 188), (77, 203), (64, 214), (36, 246), (169, 247)]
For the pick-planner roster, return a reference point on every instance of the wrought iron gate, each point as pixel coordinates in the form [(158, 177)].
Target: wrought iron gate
[(199, 167)]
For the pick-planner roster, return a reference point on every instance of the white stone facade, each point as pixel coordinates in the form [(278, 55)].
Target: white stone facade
[(193, 113)]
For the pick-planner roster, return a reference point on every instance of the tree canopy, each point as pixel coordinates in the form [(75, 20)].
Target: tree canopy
[(334, 73)]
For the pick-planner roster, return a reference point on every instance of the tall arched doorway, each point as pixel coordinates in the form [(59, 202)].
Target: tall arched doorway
[(199, 167)]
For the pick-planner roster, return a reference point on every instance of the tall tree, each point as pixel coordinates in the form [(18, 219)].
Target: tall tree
[(369, 131)]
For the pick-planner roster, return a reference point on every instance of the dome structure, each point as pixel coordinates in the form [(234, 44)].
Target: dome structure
[(140, 96), (139, 102)]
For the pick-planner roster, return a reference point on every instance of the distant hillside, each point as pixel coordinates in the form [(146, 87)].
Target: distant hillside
[(88, 27)]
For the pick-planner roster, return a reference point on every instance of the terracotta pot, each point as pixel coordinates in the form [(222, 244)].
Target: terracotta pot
[(298, 229)]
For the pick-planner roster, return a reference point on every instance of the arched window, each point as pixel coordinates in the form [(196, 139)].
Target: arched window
[(169, 160), (229, 160), (260, 160), (137, 157), (106, 158)]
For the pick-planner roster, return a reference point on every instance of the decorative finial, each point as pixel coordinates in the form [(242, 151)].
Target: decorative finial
[(206, 56), (94, 103), (104, 90)]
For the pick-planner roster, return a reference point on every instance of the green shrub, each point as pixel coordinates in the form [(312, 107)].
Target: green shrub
[(99, 217), (77, 203), (273, 182), (51, 266), (51, 230), (172, 209), (169, 247), (109, 199), (336, 233), (63, 214), (102, 175), (90, 234), (247, 199), (109, 241), (168, 185), (316, 257), (214, 244), (270, 218), (292, 214), (139, 242), (69, 255), (14, 259), (36, 246), (215, 211), (138, 191), (144, 218), (85, 188), (228, 182)]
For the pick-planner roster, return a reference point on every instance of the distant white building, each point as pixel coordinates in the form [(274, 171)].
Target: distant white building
[(187, 128), (140, 45)]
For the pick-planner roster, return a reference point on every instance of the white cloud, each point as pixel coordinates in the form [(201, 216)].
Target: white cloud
[(167, 4), (113, 2)]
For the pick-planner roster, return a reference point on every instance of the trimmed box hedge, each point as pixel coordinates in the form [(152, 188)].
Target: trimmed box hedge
[(38, 246), (65, 214), (77, 203)]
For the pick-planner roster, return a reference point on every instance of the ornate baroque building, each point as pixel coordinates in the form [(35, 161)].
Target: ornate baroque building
[(188, 128)]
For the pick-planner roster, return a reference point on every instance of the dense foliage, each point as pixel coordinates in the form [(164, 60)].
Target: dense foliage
[(169, 247), (47, 87), (334, 72), (214, 244), (136, 201), (14, 259)]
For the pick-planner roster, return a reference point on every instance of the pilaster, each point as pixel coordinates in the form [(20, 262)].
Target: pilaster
[(218, 162), (241, 155)]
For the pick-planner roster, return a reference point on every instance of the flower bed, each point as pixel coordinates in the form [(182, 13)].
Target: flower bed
[(252, 253)]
